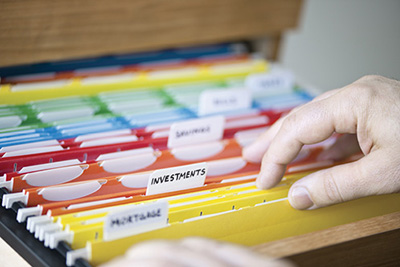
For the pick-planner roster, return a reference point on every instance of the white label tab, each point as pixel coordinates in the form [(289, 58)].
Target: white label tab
[(177, 178), (216, 101), (196, 131), (278, 81), (134, 220)]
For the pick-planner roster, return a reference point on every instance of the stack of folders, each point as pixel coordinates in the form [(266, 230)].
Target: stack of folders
[(100, 154)]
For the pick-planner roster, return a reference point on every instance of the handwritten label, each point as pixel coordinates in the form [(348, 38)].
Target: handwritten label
[(134, 220), (177, 178), (196, 131), (278, 81), (216, 101)]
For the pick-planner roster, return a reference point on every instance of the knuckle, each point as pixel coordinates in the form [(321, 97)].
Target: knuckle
[(395, 181), (388, 176), (370, 86), (362, 92), (289, 122), (371, 77), (270, 157), (331, 188)]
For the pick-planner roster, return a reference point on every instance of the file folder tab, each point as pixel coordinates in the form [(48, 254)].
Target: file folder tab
[(196, 131), (177, 178), (217, 101), (134, 220)]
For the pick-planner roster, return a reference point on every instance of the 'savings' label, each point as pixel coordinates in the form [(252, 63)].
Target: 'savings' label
[(135, 219), (196, 131), (217, 101), (177, 178)]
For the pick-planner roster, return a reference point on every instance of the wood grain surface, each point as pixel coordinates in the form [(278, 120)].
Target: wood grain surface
[(35, 31), (370, 242), (376, 250)]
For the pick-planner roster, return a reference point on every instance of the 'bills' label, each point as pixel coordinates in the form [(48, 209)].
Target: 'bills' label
[(217, 101), (196, 131), (135, 219), (177, 178)]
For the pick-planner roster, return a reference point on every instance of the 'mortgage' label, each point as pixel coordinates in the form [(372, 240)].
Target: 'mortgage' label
[(136, 219), (196, 131), (177, 178), (216, 101)]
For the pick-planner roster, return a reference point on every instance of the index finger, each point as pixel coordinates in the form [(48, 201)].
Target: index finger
[(255, 151), (310, 124)]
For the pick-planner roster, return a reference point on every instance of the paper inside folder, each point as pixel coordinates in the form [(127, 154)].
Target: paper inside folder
[(54, 176), (10, 121), (129, 164), (69, 192)]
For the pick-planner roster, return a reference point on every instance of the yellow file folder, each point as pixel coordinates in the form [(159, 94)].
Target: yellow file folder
[(141, 79), (251, 225)]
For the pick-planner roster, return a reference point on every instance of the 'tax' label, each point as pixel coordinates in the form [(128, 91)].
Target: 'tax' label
[(275, 82)]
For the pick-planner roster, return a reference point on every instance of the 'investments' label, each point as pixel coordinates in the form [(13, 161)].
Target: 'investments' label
[(177, 178)]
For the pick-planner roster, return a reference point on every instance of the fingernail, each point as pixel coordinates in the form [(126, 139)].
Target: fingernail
[(300, 198)]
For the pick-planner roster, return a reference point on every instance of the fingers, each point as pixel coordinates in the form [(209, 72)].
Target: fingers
[(310, 124), (365, 107), (155, 262), (171, 252), (193, 252), (255, 151), (230, 254), (345, 182), (345, 146)]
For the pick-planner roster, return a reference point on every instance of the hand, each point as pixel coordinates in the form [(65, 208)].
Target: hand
[(369, 109), (193, 252)]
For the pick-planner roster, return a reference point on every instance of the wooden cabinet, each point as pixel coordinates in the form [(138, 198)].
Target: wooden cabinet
[(35, 31)]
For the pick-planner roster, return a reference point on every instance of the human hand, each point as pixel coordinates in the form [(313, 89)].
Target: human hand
[(369, 110), (193, 252)]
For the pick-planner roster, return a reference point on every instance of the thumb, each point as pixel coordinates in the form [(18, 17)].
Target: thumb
[(373, 174)]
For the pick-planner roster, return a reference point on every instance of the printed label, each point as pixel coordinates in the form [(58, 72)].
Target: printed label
[(196, 131), (278, 81), (134, 220), (177, 178), (216, 101)]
